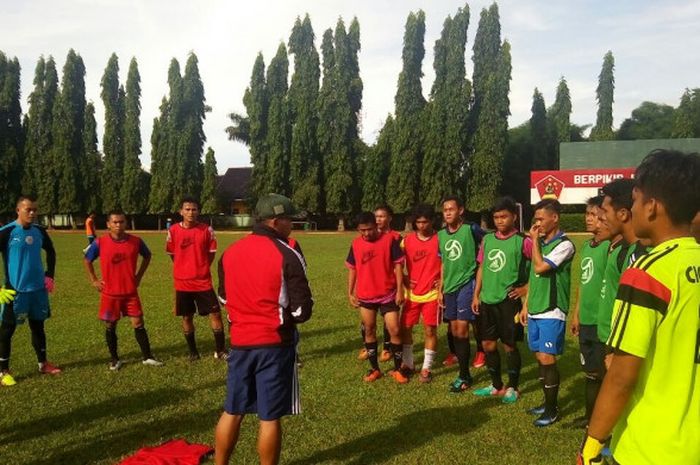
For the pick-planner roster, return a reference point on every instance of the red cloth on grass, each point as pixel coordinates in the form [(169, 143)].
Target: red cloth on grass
[(176, 452)]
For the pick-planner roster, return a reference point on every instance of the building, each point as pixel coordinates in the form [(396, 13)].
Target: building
[(233, 190)]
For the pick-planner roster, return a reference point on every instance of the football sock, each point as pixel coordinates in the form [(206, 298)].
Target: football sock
[(38, 339), (408, 356), (451, 341), (387, 339), (397, 353), (551, 388), (372, 354), (463, 351), (514, 362), (428, 358), (479, 346), (111, 338), (493, 362), (219, 341), (593, 383), (191, 342), (6, 332), (142, 339)]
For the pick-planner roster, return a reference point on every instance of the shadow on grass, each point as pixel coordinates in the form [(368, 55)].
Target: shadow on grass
[(406, 430)]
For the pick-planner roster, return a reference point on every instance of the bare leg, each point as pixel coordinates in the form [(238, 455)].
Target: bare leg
[(226, 437), (269, 442)]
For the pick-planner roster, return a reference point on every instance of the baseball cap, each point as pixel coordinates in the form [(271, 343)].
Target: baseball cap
[(274, 206)]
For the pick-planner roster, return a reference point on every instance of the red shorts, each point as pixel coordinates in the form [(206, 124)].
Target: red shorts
[(112, 308), (412, 312)]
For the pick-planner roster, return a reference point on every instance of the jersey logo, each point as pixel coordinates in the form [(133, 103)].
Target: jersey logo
[(117, 258), (186, 242), (498, 260), (367, 256), (29, 240), (453, 249), (420, 255), (602, 289), (586, 270)]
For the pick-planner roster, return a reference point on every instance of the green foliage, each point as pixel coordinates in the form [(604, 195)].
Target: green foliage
[(407, 139), (11, 133), (113, 138), (93, 162), (686, 122), (572, 222), (648, 121), (210, 205), (257, 104), (518, 164), (559, 121), (278, 125), (376, 172), (539, 134), (487, 46), (133, 198), (304, 163), (159, 197), (605, 96)]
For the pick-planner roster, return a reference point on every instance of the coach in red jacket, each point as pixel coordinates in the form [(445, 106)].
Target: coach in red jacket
[(262, 281)]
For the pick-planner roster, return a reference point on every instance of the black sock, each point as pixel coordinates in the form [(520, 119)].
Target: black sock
[(479, 346), (38, 339), (593, 383), (6, 332), (387, 339), (397, 353), (191, 343), (463, 350), (451, 341), (493, 362), (514, 363), (111, 338), (219, 340), (551, 389), (372, 354), (142, 339)]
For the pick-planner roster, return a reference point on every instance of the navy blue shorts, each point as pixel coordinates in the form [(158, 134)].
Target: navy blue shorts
[(263, 381), (458, 304), (546, 335)]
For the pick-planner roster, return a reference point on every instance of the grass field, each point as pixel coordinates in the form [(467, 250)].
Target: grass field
[(89, 415)]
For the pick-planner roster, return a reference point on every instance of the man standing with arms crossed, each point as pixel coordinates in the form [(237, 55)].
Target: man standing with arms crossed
[(263, 282), (192, 248)]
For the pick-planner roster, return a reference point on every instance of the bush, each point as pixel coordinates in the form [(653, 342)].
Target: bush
[(572, 222)]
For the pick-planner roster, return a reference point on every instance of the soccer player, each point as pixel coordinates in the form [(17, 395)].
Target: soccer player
[(459, 243), (422, 281), (650, 399), (548, 302), (192, 248), (90, 227), (594, 257), (21, 243), (375, 285), (118, 287), (617, 216), (695, 228), (501, 283), (262, 280)]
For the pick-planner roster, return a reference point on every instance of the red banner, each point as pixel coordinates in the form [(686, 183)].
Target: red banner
[(573, 186)]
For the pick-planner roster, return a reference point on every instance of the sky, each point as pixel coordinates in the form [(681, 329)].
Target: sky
[(655, 46)]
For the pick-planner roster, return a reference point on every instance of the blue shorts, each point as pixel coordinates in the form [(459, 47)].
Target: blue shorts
[(263, 381), (27, 305), (546, 335), (458, 304)]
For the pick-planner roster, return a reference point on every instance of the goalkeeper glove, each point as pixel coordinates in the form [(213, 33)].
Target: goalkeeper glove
[(591, 452), (7, 295), (49, 284)]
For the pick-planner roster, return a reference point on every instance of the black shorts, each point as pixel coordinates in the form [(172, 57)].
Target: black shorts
[(382, 308), (591, 349), (497, 321), (187, 303)]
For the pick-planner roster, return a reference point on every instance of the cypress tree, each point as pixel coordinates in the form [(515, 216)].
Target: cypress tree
[(11, 133), (209, 198), (193, 138), (326, 111), (487, 49), (175, 148), (376, 172), (112, 140), (559, 121), (278, 124), (132, 196), (93, 162), (304, 162), (538, 131), (407, 140), (33, 152), (605, 96), (256, 103), (159, 200)]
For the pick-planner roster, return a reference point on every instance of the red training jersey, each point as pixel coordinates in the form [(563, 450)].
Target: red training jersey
[(190, 249), (90, 227), (118, 262), (374, 262), (422, 262)]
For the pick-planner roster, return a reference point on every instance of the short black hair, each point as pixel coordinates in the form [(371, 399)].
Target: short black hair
[(115, 211), (620, 193), (551, 205), (92, 212), (385, 207), (365, 218), (423, 210), (505, 203), (595, 201), (190, 199), (455, 199), (672, 178), (28, 197)]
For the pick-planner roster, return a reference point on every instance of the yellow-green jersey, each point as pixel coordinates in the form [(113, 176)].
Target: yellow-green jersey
[(657, 317)]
